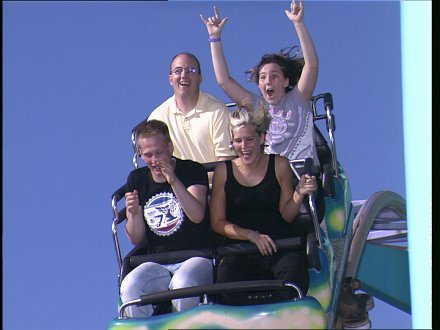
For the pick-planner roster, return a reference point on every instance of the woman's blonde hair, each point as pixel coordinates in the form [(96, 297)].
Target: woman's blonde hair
[(258, 117)]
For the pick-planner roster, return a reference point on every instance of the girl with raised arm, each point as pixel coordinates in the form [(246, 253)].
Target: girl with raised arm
[(286, 83)]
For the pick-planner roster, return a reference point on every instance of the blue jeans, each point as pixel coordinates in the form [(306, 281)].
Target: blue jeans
[(152, 277)]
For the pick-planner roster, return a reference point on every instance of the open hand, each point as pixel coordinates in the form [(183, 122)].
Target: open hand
[(296, 12), (265, 244), (214, 24), (167, 169)]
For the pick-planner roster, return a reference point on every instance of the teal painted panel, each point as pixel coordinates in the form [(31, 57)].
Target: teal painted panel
[(305, 313), (384, 273)]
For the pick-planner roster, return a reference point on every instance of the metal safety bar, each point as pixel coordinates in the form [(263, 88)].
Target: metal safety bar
[(210, 289), (295, 165), (115, 232), (135, 149), (330, 123)]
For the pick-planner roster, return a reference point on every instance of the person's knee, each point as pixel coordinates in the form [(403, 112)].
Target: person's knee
[(231, 268), (145, 278), (199, 262), (193, 272)]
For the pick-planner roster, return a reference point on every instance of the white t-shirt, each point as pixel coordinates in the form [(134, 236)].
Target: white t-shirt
[(291, 130)]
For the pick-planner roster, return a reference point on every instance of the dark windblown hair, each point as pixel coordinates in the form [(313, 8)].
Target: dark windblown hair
[(291, 65)]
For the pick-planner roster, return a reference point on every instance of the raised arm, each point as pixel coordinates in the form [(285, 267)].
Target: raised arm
[(309, 76), (232, 88)]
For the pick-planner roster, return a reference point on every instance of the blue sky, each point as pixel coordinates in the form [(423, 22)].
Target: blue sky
[(78, 76)]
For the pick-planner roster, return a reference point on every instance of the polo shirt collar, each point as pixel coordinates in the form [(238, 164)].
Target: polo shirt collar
[(198, 108)]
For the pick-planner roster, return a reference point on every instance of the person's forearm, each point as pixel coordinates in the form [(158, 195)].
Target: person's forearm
[(307, 45), (292, 207), (135, 227), (232, 231), (193, 208), (231, 87), (219, 63)]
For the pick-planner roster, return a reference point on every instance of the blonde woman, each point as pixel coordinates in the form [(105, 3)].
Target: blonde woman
[(253, 200)]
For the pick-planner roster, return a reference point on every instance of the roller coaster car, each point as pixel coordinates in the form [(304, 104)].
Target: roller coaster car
[(327, 220)]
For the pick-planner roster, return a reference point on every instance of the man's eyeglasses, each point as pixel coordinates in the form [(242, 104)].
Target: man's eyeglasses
[(189, 70)]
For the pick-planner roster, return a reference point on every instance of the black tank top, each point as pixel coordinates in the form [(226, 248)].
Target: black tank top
[(256, 207)]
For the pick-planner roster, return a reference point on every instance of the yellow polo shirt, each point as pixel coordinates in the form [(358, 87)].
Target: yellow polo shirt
[(203, 134)]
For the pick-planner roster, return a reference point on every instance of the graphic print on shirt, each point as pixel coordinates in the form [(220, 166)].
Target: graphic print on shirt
[(163, 214), (278, 125), (290, 134)]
